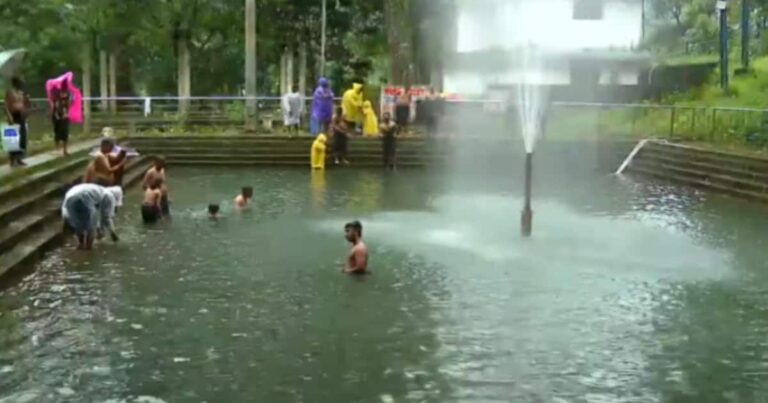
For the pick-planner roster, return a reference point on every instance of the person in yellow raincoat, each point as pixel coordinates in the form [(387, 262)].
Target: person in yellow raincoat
[(317, 158), (352, 105), (370, 122)]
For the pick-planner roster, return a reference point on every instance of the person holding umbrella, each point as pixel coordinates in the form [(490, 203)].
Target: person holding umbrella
[(16, 109)]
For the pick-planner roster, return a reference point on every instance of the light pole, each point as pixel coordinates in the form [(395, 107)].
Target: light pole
[(722, 7)]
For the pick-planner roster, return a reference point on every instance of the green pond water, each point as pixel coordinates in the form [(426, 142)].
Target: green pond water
[(629, 291)]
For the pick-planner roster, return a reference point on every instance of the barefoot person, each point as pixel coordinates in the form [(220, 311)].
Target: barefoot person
[(340, 138), (244, 198), (158, 171), (87, 208), (60, 118), (357, 261), (150, 208), (16, 111), (388, 135), (101, 171)]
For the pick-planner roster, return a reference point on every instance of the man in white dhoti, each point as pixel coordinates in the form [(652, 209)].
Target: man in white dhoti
[(293, 109)]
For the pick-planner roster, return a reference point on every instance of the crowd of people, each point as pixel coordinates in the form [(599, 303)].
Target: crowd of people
[(64, 107), (89, 207), (333, 125)]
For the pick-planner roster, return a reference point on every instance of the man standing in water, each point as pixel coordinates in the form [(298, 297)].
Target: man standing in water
[(158, 172), (101, 170), (357, 261)]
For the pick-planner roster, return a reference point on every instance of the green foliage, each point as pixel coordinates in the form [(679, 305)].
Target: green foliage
[(687, 26), (144, 35)]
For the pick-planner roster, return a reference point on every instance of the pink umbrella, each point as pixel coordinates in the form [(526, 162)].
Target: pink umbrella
[(76, 107)]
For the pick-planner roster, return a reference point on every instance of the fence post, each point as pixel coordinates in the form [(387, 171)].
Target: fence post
[(693, 122), (672, 122), (714, 124)]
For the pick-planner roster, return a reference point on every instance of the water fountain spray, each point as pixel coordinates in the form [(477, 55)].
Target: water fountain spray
[(531, 109)]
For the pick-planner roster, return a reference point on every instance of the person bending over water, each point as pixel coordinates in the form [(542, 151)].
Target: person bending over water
[(244, 198), (101, 171), (357, 261), (150, 209), (158, 171), (88, 208)]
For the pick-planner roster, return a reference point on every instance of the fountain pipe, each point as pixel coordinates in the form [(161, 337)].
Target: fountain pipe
[(526, 218)]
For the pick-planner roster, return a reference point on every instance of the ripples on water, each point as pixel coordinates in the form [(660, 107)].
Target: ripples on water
[(629, 291)]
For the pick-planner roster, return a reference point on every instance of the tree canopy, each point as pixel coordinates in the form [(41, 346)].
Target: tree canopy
[(362, 35)]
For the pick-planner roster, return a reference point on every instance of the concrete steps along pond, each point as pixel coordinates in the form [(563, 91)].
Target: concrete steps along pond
[(280, 151), (30, 208), (722, 172)]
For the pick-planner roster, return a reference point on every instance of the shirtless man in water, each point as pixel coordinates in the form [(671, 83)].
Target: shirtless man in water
[(100, 171), (157, 172), (357, 261)]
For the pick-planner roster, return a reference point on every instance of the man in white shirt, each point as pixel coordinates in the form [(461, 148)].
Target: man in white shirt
[(89, 207)]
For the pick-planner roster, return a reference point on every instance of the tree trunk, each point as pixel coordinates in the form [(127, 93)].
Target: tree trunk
[(112, 82), (303, 69), (183, 75), (252, 110), (283, 75), (399, 38), (290, 74), (87, 87), (103, 80)]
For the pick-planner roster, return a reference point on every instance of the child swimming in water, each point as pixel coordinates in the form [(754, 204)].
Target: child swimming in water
[(150, 208), (244, 198), (213, 211)]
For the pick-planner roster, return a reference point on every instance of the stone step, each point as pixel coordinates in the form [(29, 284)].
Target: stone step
[(16, 208), (283, 145), (28, 184), (725, 180), (31, 248), (297, 163), (705, 185), (275, 151), (21, 228), (297, 156), (193, 138), (40, 230), (707, 156), (723, 169)]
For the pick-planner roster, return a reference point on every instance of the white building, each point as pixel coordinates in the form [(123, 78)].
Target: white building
[(580, 43)]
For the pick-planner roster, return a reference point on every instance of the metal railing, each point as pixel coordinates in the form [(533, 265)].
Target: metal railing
[(712, 124)]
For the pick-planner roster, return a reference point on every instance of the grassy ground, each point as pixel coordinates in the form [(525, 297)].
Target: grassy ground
[(706, 115)]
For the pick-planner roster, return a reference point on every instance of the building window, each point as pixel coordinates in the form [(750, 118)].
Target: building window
[(588, 9)]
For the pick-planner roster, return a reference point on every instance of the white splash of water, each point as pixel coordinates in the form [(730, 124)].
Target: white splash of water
[(531, 95)]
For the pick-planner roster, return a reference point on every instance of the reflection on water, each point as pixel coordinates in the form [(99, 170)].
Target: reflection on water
[(629, 291)]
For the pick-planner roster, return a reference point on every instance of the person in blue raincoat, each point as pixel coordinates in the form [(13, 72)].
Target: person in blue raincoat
[(322, 107)]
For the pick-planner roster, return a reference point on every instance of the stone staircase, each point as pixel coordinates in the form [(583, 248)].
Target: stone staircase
[(279, 151), (30, 208), (736, 175)]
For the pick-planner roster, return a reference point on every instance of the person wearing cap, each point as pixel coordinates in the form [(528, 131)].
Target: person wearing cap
[(104, 170), (90, 209)]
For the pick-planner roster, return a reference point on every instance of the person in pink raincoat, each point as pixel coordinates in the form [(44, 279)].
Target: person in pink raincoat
[(65, 102)]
